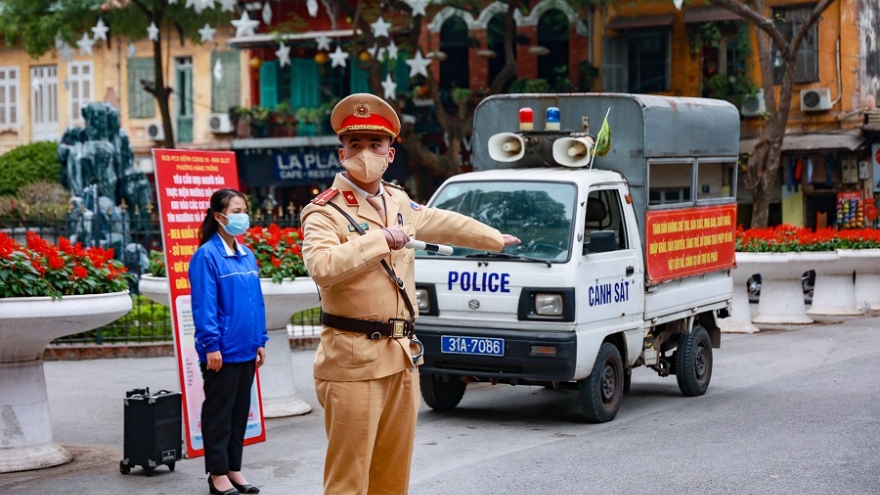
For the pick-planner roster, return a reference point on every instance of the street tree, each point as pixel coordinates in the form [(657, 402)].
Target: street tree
[(455, 120), (38, 25), (763, 164)]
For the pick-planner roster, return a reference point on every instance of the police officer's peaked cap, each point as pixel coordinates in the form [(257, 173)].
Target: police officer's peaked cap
[(364, 112)]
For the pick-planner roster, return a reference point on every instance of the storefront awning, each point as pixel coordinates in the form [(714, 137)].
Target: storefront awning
[(850, 141), (266, 39), (700, 15), (646, 21)]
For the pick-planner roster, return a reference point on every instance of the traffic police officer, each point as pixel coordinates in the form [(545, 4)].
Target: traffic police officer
[(353, 246)]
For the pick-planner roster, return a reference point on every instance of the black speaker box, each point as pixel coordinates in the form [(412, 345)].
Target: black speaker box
[(152, 430)]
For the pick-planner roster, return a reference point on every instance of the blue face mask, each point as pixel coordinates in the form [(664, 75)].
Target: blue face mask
[(238, 223)]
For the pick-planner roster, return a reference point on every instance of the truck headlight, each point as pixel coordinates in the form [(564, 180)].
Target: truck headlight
[(548, 304), (422, 300)]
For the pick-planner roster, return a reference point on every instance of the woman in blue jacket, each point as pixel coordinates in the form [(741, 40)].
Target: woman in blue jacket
[(230, 335)]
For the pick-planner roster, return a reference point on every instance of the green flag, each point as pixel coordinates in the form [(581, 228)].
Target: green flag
[(603, 139)]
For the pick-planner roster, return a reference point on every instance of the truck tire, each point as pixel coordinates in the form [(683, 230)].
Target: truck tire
[(441, 394), (693, 362), (600, 393)]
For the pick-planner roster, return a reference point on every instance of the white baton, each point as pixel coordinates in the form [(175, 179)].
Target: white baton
[(429, 247)]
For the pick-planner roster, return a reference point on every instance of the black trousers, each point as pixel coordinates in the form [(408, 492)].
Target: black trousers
[(225, 414)]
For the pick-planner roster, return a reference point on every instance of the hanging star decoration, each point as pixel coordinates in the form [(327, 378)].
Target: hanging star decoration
[(677, 4), (338, 57), (323, 42), (283, 55), (267, 13), (207, 33), (244, 26), (390, 87), (66, 52), (131, 51), (380, 27), (392, 51), (153, 32), (206, 4), (374, 50), (100, 30), (192, 4), (218, 70), (418, 7), (85, 44), (418, 65), (228, 5), (172, 2), (312, 5)]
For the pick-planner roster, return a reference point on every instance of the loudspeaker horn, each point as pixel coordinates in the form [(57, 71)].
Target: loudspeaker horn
[(506, 147), (573, 152)]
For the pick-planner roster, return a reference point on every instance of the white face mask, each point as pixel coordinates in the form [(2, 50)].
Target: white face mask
[(366, 166)]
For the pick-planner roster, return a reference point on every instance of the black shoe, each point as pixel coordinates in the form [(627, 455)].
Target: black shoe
[(245, 488), (214, 491)]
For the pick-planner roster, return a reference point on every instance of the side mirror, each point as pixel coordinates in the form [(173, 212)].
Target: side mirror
[(601, 241)]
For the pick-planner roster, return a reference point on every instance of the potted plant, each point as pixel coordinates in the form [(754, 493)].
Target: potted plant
[(286, 288), (46, 292), (283, 121)]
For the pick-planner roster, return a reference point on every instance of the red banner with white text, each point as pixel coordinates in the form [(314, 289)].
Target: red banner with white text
[(185, 181), (689, 241)]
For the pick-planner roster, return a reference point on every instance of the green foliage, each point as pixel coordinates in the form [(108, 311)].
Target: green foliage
[(157, 264), (529, 86), (28, 163), (151, 319)]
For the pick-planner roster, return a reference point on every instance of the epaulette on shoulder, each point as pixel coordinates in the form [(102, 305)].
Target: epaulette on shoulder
[(391, 184), (325, 196)]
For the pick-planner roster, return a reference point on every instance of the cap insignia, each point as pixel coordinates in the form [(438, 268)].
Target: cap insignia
[(362, 110)]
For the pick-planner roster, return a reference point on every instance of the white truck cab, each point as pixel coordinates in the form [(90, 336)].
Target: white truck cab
[(624, 259)]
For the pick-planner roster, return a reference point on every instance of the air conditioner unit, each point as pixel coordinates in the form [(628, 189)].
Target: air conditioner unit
[(815, 100), (155, 131), (754, 105), (220, 123)]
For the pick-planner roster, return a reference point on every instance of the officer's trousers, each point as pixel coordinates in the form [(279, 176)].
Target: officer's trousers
[(371, 426), (225, 414)]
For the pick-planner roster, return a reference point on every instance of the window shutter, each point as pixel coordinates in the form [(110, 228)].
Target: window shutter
[(614, 77), (807, 66), (269, 84), (304, 90), (226, 93), (401, 72), (141, 105), (359, 79)]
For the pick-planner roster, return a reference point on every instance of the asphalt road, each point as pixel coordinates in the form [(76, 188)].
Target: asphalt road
[(794, 411)]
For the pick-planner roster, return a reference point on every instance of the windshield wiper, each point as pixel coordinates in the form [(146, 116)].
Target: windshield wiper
[(488, 254)]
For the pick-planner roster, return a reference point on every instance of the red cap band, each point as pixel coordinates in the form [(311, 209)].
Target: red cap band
[(374, 122)]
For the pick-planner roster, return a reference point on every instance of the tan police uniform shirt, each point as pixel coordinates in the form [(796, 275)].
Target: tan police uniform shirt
[(346, 266)]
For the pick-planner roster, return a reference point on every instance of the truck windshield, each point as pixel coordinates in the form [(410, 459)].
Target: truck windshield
[(539, 213)]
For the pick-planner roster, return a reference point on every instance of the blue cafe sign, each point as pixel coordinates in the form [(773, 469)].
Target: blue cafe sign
[(290, 166), (307, 165)]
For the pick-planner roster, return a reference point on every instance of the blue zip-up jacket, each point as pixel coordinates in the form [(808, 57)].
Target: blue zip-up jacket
[(227, 302)]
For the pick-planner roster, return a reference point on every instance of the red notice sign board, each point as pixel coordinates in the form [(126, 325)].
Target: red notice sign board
[(185, 181), (689, 241)]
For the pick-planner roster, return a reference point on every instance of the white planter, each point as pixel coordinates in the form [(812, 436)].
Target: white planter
[(276, 376), (834, 292), (27, 325), (782, 295), (740, 319), (155, 289), (867, 286)]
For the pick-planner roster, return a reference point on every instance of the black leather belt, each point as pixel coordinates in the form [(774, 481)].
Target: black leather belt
[(396, 328)]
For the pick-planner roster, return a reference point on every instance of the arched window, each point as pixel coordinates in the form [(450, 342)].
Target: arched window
[(454, 42), (553, 34), (495, 42)]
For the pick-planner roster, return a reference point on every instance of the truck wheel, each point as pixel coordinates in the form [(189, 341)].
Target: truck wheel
[(600, 393), (693, 362), (441, 393)]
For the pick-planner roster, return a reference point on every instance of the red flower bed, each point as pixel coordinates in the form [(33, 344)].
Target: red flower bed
[(278, 251), (789, 238), (42, 269)]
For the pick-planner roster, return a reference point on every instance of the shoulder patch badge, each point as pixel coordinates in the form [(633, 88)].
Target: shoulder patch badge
[(325, 196), (350, 198), (415, 206)]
